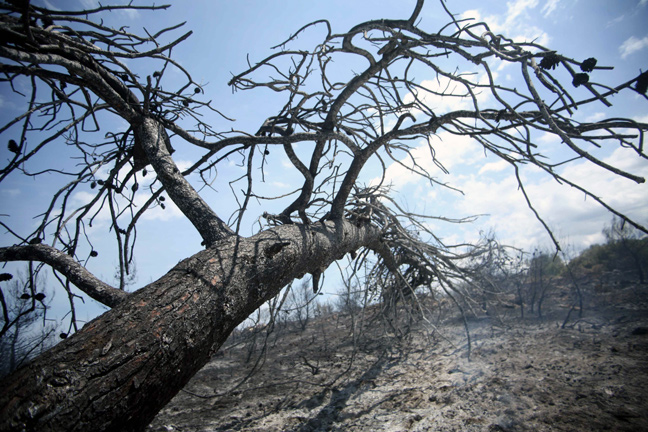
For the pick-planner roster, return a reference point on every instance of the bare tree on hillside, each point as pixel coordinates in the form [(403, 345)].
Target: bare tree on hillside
[(302, 303), (82, 81), (576, 281), (543, 269), (497, 279), (632, 245), (24, 332)]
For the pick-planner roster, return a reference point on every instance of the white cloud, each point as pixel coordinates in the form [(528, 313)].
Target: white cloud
[(595, 117), (514, 23), (517, 8), (89, 4), (549, 7), (448, 150), (442, 95), (92, 4), (632, 45), (171, 211), (490, 188), (280, 185), (498, 166), (83, 197), (566, 210), (473, 14), (132, 14), (549, 138), (183, 164), (12, 193), (615, 21)]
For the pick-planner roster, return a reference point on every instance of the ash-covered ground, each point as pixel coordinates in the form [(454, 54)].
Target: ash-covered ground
[(522, 375)]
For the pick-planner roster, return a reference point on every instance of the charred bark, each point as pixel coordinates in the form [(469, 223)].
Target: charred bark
[(123, 367)]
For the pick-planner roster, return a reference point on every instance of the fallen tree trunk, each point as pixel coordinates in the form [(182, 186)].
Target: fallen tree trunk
[(123, 367)]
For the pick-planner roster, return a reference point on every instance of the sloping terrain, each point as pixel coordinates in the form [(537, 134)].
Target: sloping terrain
[(534, 375)]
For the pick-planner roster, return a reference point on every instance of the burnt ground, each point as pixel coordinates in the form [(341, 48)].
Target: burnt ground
[(522, 375)]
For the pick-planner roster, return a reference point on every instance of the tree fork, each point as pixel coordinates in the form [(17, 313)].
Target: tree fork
[(124, 366)]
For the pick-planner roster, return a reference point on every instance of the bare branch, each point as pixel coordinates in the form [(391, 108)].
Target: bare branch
[(68, 266), (153, 140)]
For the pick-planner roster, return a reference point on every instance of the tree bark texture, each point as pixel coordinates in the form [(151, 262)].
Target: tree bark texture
[(124, 366)]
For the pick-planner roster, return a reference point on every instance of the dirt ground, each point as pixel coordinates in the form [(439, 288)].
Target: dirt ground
[(527, 375)]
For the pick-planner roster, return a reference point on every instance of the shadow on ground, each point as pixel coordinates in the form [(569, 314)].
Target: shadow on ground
[(530, 375)]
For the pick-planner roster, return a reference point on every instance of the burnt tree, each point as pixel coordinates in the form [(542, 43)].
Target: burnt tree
[(120, 369)]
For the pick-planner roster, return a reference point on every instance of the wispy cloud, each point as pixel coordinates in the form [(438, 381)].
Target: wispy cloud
[(632, 45), (549, 7), (517, 8), (50, 6), (494, 167), (514, 23), (156, 212), (615, 21), (89, 4), (12, 193), (280, 185), (595, 117), (183, 164), (132, 14)]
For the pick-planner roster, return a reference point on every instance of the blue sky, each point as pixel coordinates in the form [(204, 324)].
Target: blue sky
[(225, 32)]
